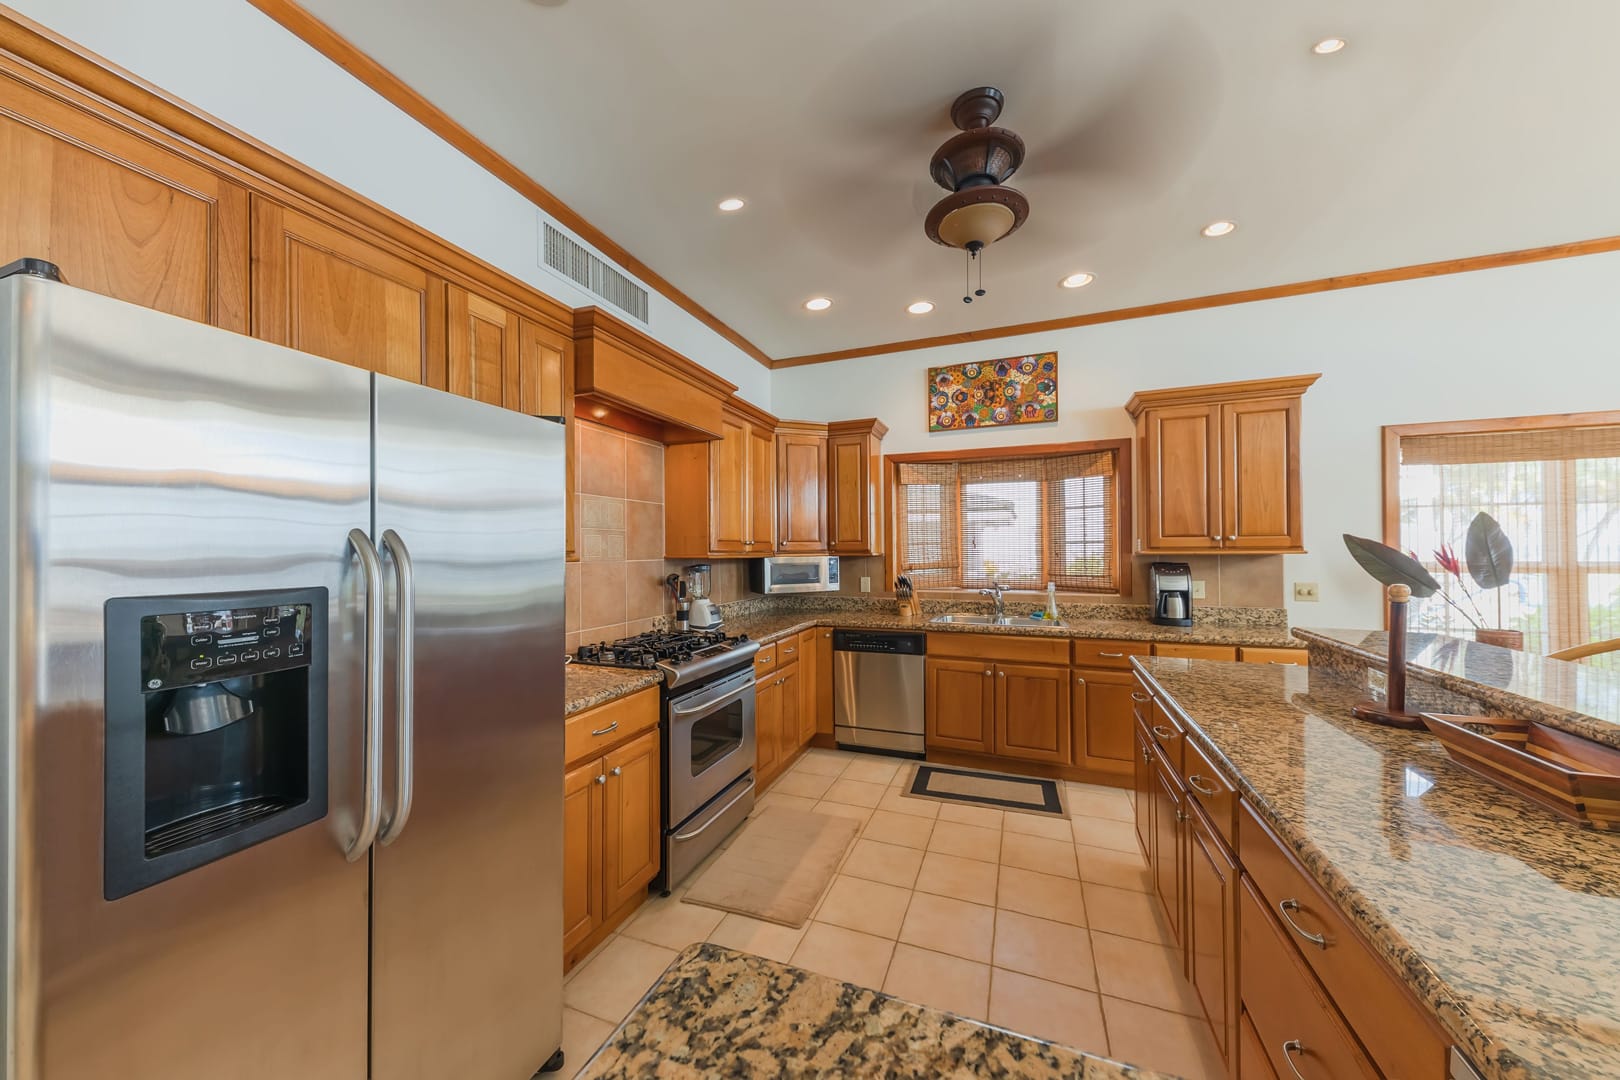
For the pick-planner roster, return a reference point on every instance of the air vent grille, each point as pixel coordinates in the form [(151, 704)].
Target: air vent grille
[(575, 262)]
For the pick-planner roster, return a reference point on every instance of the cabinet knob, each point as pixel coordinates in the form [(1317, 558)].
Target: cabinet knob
[(1181, 815), (618, 771), (1232, 537), (987, 673), (602, 779), (1003, 674)]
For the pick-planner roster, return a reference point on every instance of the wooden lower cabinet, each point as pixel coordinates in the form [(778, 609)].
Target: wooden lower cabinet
[(1032, 713), (1168, 858), (791, 687), (767, 731), (631, 819), (960, 705), (582, 852), (1142, 785), (1103, 722), (810, 676), (824, 682), (1212, 883), (1252, 1062)]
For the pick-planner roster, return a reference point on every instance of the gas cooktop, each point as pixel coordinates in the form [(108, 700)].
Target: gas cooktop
[(684, 657)]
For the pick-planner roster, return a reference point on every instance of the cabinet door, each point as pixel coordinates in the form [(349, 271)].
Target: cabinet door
[(1212, 928), (546, 388), (582, 851), (1169, 833), (119, 215), (1032, 713), (323, 291), (728, 488), (809, 683), (801, 493), (483, 349), (824, 682), (1103, 721), (792, 691), (1260, 474), (851, 515), (1181, 448), (633, 846), (1143, 787), (959, 705), (1252, 1063), (767, 731), (761, 538)]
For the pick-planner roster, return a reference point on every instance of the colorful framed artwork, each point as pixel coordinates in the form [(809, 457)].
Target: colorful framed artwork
[(995, 393)]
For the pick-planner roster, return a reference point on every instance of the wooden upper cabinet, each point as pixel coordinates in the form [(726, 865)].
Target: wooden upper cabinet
[(545, 373), (854, 498), (325, 291), (801, 488), (483, 349), (727, 496), (1220, 467), (119, 214), (720, 496), (761, 538)]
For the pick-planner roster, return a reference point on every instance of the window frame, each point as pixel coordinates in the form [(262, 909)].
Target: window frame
[(1124, 518)]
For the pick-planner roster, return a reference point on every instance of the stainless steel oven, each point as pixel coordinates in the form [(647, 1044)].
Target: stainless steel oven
[(709, 782), (794, 574)]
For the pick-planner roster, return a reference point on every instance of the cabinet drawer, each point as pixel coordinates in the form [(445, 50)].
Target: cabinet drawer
[(787, 650), (594, 730), (1109, 654), (1282, 657), (1167, 736), (1026, 650), (1391, 1024), (765, 659), (1194, 652), (1299, 1029), (1210, 790)]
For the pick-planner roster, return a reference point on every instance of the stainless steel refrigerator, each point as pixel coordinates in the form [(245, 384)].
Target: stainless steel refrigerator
[(282, 711)]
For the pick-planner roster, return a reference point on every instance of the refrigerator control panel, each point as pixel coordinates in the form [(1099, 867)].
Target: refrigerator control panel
[(190, 647)]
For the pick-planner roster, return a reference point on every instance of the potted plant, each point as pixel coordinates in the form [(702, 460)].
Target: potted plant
[(1490, 564)]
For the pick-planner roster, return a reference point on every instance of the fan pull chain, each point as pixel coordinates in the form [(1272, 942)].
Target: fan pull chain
[(967, 278), (980, 290)]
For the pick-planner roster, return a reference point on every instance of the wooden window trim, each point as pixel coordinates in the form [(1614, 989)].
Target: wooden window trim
[(1123, 511)]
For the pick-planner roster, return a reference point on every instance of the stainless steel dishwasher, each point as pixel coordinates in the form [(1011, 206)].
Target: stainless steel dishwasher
[(878, 691)]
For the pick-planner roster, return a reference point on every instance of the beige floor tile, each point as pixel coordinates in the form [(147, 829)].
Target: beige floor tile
[(770, 940), (1143, 972), (821, 764), (1103, 833), (1047, 828), (588, 957), (1121, 869), (948, 925), (1126, 913), (1048, 1010), (952, 875), (1042, 895), (982, 816), (872, 770), (783, 799), (809, 785), (896, 803), (943, 982), (1163, 1041), (868, 906), (891, 864), (611, 983), (899, 829), (966, 841), (1044, 948), (673, 923), (862, 814), (583, 1034), (846, 955), (1112, 803), (1034, 853), (855, 793)]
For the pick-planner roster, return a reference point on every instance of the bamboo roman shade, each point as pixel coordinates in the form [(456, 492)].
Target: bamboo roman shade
[(1492, 447), (1020, 521)]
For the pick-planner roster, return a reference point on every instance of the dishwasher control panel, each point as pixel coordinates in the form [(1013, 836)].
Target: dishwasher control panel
[(880, 641)]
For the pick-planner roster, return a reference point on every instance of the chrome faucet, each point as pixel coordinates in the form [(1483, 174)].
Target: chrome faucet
[(997, 594)]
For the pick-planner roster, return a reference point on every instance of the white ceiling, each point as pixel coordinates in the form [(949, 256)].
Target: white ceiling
[(1446, 128)]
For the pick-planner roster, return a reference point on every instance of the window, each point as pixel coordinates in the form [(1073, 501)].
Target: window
[(1554, 485), (1021, 517)]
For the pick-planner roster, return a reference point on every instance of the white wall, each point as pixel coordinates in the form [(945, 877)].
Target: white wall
[(1539, 338), (232, 61)]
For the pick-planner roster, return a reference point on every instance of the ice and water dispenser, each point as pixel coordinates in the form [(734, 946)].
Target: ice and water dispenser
[(216, 728)]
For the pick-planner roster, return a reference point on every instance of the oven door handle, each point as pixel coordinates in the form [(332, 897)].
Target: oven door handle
[(722, 813), (709, 704)]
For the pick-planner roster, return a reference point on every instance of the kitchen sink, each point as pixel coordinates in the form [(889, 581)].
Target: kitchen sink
[(990, 620)]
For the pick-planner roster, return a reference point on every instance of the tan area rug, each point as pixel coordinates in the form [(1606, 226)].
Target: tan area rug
[(1020, 794), (777, 867)]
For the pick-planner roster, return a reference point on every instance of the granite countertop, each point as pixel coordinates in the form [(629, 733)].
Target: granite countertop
[(587, 686), (766, 628), (718, 1012), (1502, 917)]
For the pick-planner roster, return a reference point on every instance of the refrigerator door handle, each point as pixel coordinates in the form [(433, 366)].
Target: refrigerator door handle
[(371, 786), (405, 686)]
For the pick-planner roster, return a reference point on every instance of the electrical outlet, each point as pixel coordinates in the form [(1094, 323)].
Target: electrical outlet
[(866, 584), (1198, 590), (1305, 592)]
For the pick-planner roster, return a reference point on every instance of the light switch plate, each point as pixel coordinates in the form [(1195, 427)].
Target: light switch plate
[(866, 584), (1305, 592), (1198, 590)]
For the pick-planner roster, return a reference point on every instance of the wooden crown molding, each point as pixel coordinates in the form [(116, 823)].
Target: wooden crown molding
[(332, 45), (1243, 296), (752, 413), (870, 426), (1213, 393), (596, 324)]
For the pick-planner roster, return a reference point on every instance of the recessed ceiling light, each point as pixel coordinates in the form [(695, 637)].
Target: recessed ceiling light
[(1078, 281), (731, 205), (1219, 228), (1327, 46), (818, 303), (921, 307)]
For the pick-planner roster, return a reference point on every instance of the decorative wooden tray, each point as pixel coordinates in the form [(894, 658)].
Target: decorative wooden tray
[(1571, 776)]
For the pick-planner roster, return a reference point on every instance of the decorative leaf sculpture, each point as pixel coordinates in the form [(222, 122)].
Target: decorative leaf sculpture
[(1390, 567), (1489, 552)]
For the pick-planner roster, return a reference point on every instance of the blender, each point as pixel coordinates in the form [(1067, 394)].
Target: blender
[(705, 615)]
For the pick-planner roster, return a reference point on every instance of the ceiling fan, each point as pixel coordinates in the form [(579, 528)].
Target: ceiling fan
[(974, 167)]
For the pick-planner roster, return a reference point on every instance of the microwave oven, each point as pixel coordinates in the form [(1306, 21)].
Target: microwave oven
[(794, 574)]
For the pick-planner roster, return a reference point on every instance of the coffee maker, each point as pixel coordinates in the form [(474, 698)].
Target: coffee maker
[(1171, 593)]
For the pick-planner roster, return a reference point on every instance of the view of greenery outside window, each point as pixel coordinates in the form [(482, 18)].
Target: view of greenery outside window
[(1556, 493)]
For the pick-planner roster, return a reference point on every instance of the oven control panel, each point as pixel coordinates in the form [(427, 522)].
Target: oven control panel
[(190, 647)]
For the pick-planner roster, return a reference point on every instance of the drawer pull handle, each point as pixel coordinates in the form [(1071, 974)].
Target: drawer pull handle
[(610, 729), (1291, 905), (1283, 663), (1147, 753), (1290, 1048), (1141, 699), (1206, 792), (1162, 732), (1113, 655)]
